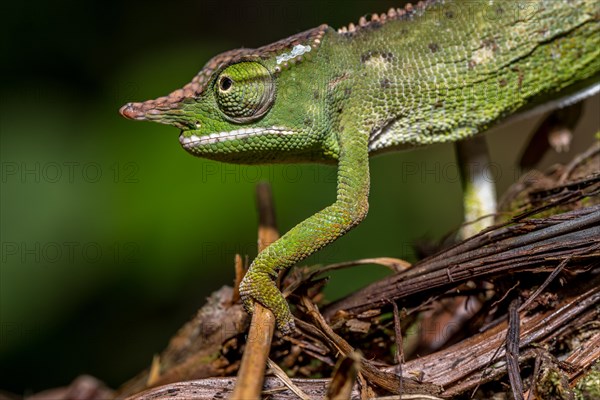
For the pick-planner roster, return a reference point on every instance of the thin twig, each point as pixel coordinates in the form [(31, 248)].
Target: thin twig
[(399, 342), (549, 279), (154, 373), (254, 361), (239, 274), (409, 397), (588, 154), (286, 380), (394, 264), (512, 350), (484, 370), (504, 296), (344, 378), (536, 373)]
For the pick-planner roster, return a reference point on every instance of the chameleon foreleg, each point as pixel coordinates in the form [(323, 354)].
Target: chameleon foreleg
[(312, 234)]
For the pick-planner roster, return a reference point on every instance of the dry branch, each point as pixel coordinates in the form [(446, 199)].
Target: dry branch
[(262, 327), (521, 247), (474, 354), (546, 255)]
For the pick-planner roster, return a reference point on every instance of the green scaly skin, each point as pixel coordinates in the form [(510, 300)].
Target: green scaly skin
[(414, 76)]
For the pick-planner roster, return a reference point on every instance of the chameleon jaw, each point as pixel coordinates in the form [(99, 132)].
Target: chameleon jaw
[(195, 141)]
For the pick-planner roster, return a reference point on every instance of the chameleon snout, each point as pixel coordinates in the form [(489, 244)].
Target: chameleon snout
[(150, 110), (161, 111), (132, 111)]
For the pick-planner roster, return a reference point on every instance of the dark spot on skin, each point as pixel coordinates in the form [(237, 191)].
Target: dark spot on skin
[(449, 14), (503, 82), (439, 104), (385, 83), (348, 92), (490, 43), (499, 11), (385, 55), (316, 95), (520, 73), (365, 56), (308, 121), (472, 64), (337, 80), (434, 47)]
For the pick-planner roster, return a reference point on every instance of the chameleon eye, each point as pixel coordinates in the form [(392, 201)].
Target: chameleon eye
[(245, 91)]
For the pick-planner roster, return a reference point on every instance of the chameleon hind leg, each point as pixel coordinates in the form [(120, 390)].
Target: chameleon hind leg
[(314, 233), (479, 189)]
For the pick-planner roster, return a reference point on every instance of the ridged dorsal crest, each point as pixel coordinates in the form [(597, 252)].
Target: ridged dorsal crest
[(393, 14)]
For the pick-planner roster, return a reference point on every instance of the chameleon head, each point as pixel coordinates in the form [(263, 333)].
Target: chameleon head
[(241, 108)]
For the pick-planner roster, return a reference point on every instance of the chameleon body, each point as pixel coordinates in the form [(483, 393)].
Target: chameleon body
[(435, 72)]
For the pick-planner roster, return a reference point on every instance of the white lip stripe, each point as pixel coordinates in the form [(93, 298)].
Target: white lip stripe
[(237, 134)]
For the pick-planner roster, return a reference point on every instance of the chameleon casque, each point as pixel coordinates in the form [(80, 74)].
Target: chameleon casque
[(434, 72)]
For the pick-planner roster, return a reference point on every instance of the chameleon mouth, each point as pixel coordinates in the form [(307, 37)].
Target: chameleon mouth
[(195, 141)]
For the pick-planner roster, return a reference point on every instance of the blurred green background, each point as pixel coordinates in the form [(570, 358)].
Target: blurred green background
[(112, 235)]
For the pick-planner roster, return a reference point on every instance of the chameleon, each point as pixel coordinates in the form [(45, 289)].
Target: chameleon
[(437, 71)]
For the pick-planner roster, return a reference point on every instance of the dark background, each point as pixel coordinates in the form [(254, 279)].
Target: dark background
[(112, 236)]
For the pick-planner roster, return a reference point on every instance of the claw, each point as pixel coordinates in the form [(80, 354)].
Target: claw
[(286, 327)]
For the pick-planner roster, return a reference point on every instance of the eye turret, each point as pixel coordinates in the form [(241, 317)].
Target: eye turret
[(245, 91)]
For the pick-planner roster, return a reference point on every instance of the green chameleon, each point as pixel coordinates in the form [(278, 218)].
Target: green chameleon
[(438, 71)]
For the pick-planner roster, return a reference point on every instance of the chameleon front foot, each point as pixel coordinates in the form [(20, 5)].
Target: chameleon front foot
[(259, 287)]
